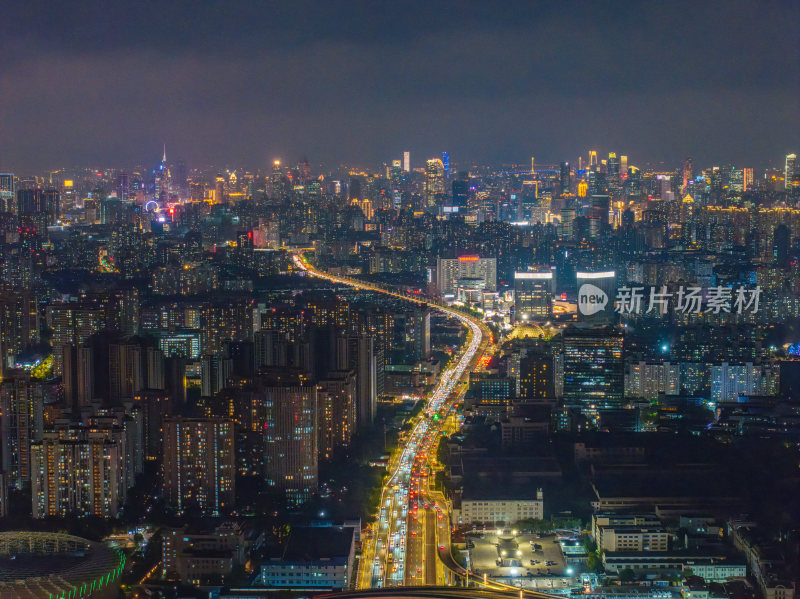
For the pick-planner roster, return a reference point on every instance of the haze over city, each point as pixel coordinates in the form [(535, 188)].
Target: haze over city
[(243, 83)]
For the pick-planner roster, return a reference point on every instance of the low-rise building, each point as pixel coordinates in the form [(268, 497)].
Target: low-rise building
[(713, 567), (602, 521), (312, 559), (633, 538), (767, 564), (488, 505), (198, 556)]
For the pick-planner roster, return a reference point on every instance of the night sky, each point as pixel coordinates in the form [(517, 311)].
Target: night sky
[(241, 83)]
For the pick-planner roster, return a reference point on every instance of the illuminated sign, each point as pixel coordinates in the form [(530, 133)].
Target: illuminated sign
[(533, 275), (469, 258), (68, 183), (595, 275)]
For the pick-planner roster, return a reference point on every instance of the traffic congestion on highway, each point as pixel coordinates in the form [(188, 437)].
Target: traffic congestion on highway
[(413, 521)]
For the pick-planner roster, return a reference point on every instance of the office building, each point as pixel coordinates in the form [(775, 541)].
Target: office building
[(489, 506), (8, 197), (537, 376), (790, 169), (533, 296), (564, 178), (434, 183), (593, 368), (596, 293)]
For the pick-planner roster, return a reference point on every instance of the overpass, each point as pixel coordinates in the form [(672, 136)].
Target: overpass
[(437, 592)]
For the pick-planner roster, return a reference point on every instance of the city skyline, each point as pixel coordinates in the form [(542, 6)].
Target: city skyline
[(250, 82), (475, 300)]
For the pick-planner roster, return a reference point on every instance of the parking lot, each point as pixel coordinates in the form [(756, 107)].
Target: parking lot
[(521, 556)]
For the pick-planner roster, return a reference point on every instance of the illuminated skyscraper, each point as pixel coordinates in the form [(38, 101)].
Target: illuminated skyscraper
[(161, 186), (123, 187), (533, 296), (593, 368), (199, 467), (7, 193), (564, 177), (406, 161), (446, 164), (687, 171), (747, 174), (434, 182), (736, 181), (596, 292), (790, 169)]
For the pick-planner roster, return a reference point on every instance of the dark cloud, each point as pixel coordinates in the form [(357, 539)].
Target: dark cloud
[(359, 82)]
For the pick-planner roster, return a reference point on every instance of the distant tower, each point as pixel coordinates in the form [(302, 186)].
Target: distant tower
[(592, 158), (123, 186), (789, 170), (406, 161), (161, 187), (747, 176), (446, 164), (564, 176), (434, 182), (7, 193), (687, 171), (533, 166)]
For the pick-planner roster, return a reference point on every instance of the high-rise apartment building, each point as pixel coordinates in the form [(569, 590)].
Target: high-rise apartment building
[(78, 471), (21, 424), (199, 464), (289, 417), (450, 270), (336, 411), (19, 325)]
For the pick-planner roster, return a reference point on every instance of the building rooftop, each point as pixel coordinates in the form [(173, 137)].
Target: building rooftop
[(314, 544)]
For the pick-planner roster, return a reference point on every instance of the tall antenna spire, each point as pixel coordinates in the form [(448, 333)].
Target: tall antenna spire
[(164, 159)]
